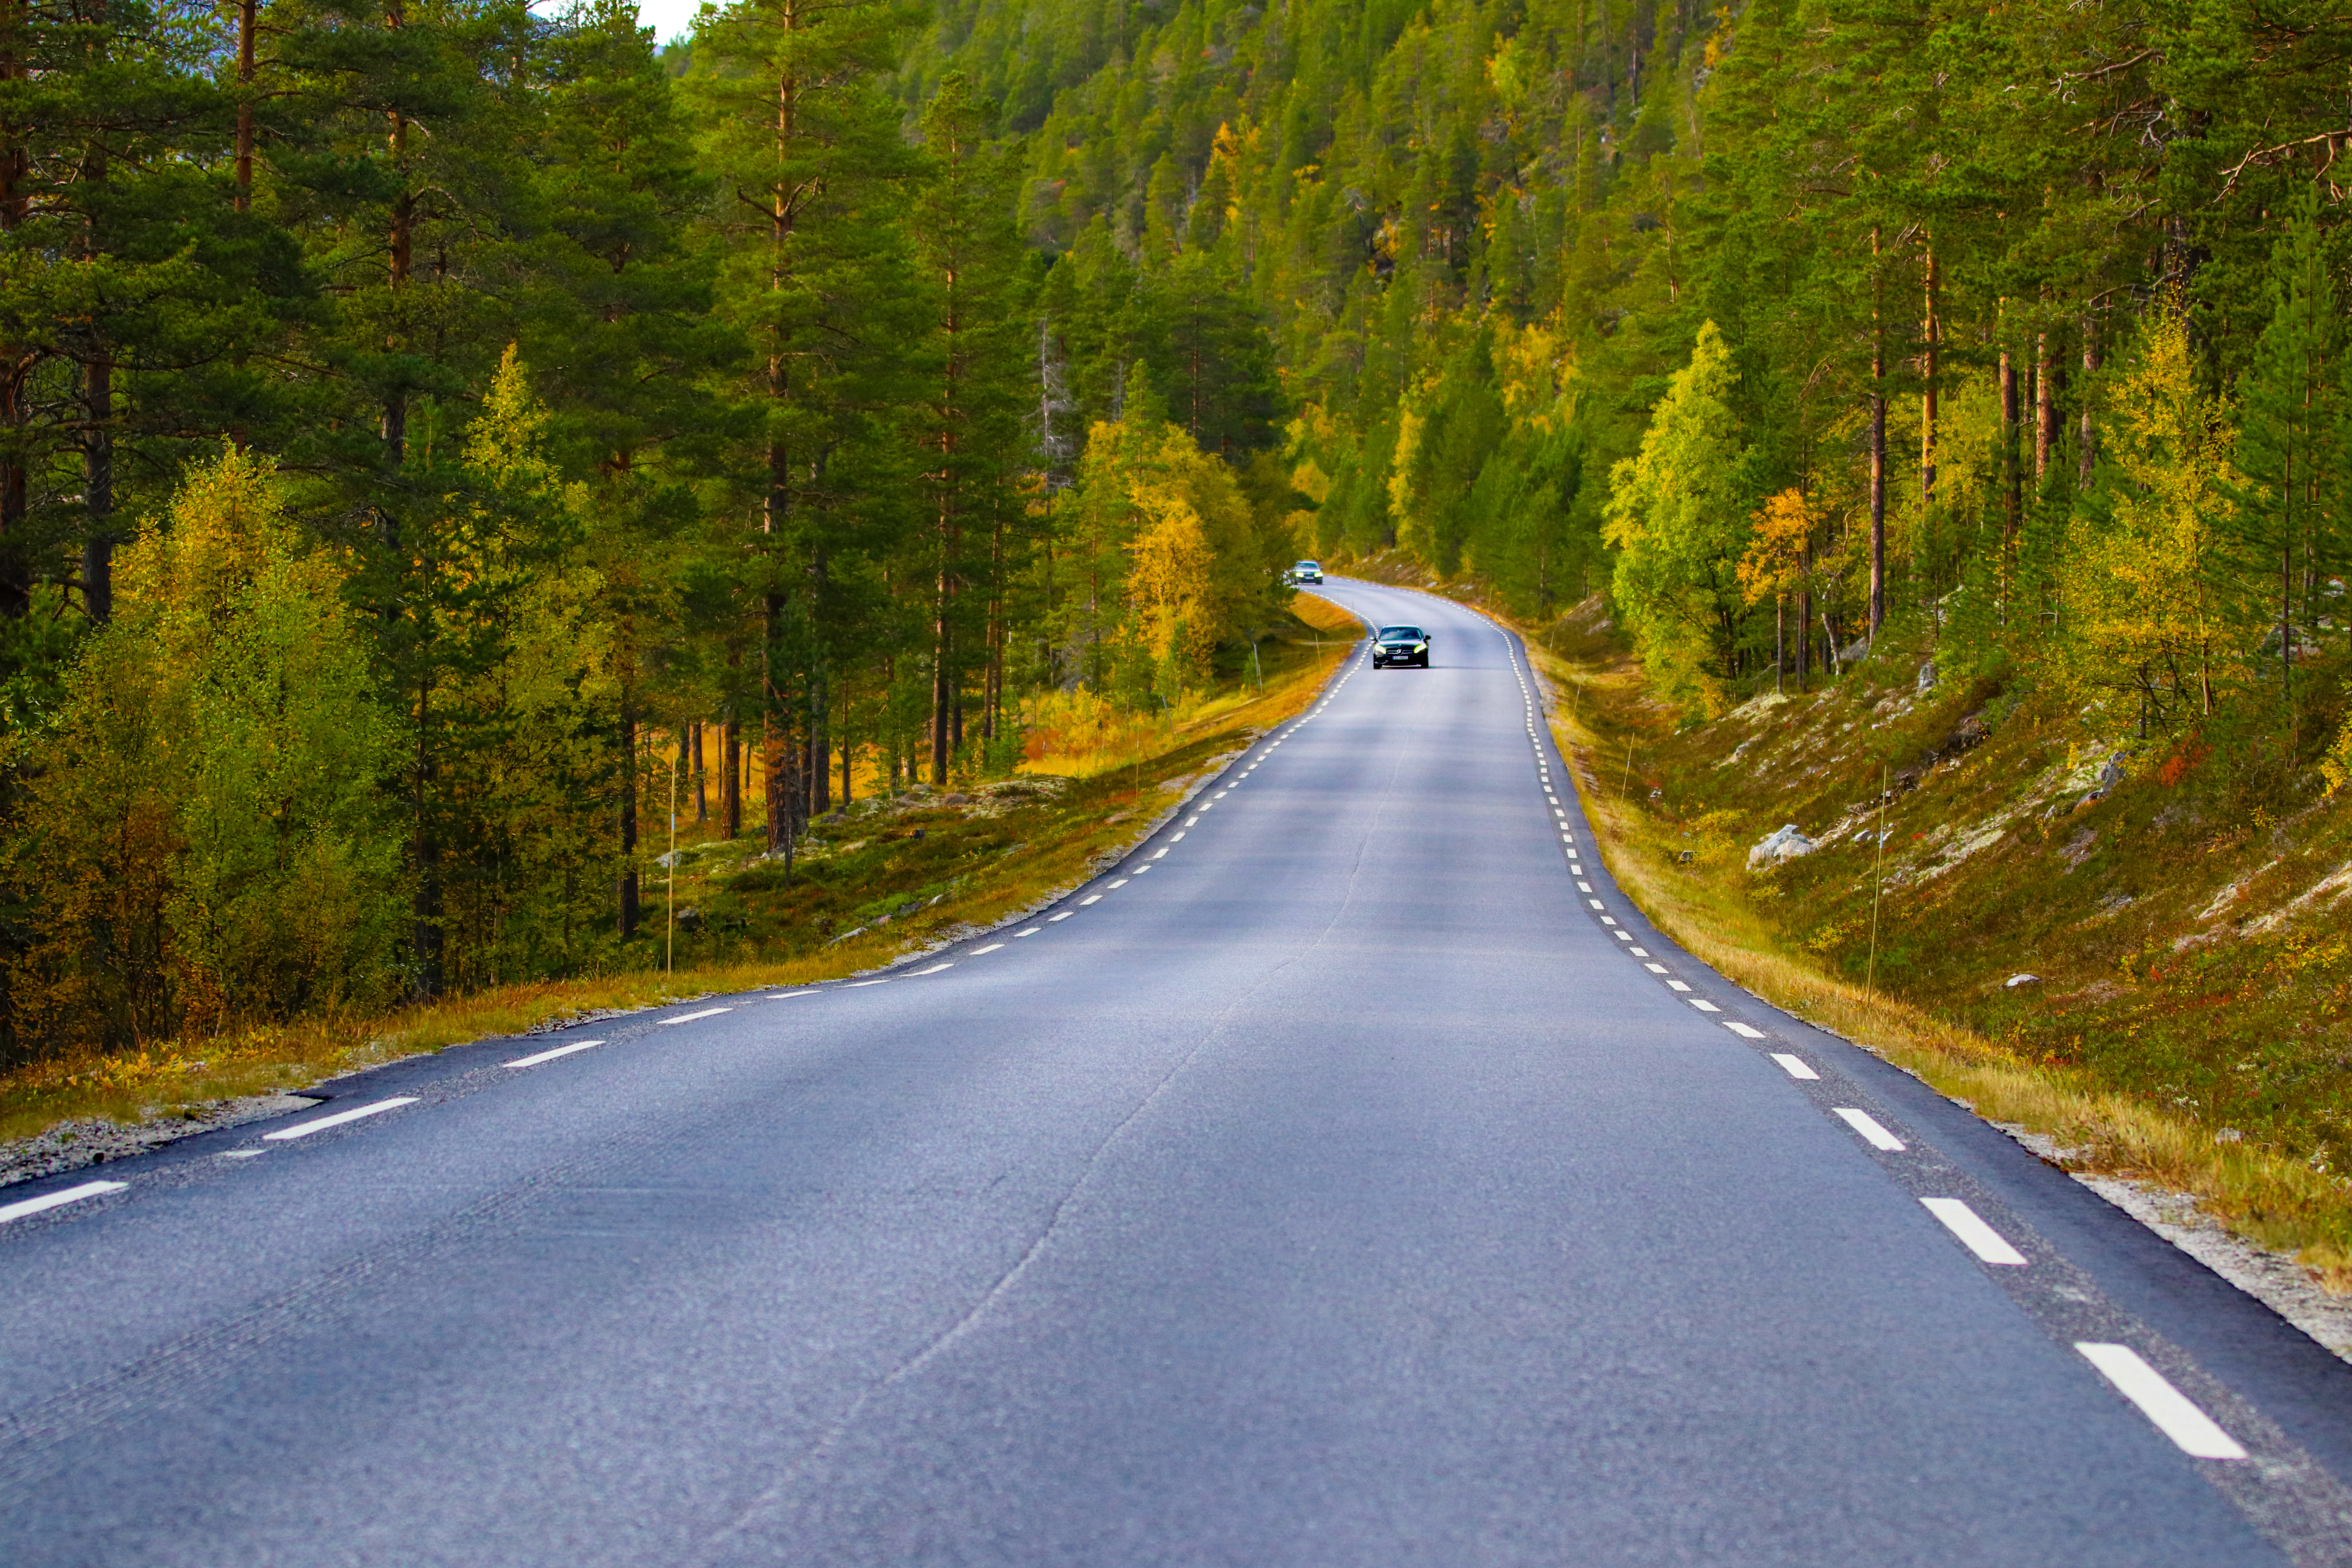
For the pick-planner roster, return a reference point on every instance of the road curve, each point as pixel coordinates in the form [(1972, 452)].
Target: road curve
[(1349, 1177)]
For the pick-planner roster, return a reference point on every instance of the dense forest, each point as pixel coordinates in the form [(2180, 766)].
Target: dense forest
[(423, 425)]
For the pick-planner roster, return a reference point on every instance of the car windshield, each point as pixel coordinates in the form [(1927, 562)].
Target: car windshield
[(1399, 634), (1309, 567)]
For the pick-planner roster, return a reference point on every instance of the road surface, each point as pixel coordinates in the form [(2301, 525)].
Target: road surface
[(1349, 1177)]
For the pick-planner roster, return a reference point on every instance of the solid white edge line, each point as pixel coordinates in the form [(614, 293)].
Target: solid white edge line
[(2174, 1414), (550, 1055), (23, 1207), (1861, 1121), (934, 968), (305, 1128), (1979, 1237), (1796, 1067), (1742, 1030), (691, 1017)]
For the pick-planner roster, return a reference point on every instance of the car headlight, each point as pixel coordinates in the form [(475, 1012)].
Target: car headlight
[(1421, 647)]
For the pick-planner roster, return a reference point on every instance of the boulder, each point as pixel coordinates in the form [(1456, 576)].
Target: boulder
[(1781, 844), (689, 919), (957, 800), (2015, 980), (1928, 676)]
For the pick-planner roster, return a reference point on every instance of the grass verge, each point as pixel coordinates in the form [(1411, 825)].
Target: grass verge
[(900, 876)]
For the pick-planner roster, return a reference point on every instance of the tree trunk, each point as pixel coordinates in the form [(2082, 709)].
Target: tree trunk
[(701, 779), (2045, 407), (400, 249), (248, 24), (730, 776), (627, 921), (1931, 332), (1877, 449), (2012, 469), (425, 906)]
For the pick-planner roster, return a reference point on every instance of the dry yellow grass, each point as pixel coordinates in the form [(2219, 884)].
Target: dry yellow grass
[(177, 1077), (2275, 1202)]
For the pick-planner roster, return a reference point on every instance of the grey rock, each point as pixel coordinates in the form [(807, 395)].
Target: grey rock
[(1781, 844), (1855, 654), (1928, 676), (957, 800), (689, 919), (2015, 980), (2111, 774)]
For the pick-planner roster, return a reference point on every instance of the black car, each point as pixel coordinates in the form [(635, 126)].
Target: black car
[(1401, 644), (1307, 572)]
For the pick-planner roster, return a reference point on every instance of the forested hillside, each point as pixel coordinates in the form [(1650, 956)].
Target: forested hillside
[(423, 424)]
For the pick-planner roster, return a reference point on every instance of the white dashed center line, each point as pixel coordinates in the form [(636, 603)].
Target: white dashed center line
[(934, 968), (992, 947), (1638, 952), (1680, 986), (304, 1130), (1742, 1030), (1584, 886), (1063, 915), (1795, 1066), (1090, 899), (59, 1199), (691, 1017), (1033, 930), (2175, 1415), (1979, 1237), (550, 1055), (855, 983), (1120, 883), (1875, 1135), (1701, 1003), (1655, 968)]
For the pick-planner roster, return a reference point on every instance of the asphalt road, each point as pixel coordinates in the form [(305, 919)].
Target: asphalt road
[(1351, 1178)]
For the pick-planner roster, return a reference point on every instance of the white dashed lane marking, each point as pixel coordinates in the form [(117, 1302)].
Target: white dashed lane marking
[(855, 983), (691, 1017), (934, 968), (1090, 899), (59, 1199), (1795, 1066), (1742, 1030), (2198, 1435), (1701, 1003), (550, 1055), (1861, 1121), (341, 1118), (1063, 915), (1033, 930), (1975, 1235), (992, 947)]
